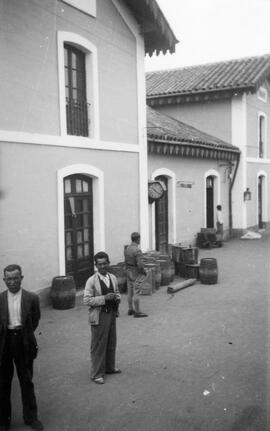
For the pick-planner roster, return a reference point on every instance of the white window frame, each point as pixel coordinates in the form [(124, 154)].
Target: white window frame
[(263, 95), (262, 114), (87, 6), (91, 66)]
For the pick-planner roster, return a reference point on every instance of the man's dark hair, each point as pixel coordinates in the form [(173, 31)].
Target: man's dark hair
[(101, 255), (12, 267), (219, 207), (135, 236)]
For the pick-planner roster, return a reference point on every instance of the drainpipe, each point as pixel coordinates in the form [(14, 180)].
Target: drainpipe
[(232, 179)]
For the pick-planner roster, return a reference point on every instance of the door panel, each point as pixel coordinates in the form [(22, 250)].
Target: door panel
[(161, 211), (210, 202), (79, 228), (260, 216)]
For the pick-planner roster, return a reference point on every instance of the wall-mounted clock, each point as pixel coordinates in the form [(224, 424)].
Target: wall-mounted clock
[(155, 190)]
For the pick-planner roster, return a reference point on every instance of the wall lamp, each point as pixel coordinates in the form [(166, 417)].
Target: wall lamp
[(247, 195)]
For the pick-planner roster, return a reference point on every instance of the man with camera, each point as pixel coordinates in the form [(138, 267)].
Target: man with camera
[(102, 296)]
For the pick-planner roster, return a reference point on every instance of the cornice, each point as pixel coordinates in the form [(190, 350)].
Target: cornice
[(192, 150), (214, 95)]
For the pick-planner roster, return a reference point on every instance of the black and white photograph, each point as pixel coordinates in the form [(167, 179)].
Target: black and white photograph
[(135, 215)]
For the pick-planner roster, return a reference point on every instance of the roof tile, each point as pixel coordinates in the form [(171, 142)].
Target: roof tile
[(160, 126), (246, 73)]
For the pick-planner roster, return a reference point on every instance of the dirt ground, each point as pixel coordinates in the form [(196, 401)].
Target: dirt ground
[(198, 362)]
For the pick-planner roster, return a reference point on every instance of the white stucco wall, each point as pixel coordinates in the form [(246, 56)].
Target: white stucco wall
[(188, 212)]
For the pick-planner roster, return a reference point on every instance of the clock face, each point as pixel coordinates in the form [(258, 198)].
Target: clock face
[(155, 190)]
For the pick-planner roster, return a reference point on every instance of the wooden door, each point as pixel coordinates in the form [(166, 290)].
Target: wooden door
[(260, 204), (161, 210), (79, 228), (210, 202)]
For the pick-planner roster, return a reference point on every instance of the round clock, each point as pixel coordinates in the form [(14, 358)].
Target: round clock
[(155, 190)]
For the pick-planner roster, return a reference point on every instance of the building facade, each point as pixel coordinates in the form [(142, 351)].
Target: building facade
[(229, 100), (72, 131), (197, 171)]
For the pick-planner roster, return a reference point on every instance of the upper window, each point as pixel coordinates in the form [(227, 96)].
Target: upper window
[(77, 107), (262, 94), (78, 86), (88, 6), (262, 136)]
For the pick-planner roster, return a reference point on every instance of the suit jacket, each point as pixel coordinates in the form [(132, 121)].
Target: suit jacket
[(93, 296), (30, 314)]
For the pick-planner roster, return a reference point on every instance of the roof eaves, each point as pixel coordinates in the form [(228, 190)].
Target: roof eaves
[(181, 141), (159, 37)]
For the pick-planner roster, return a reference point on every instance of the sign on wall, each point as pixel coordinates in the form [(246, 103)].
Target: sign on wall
[(185, 184)]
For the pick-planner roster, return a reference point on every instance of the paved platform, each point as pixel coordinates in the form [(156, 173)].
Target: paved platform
[(199, 362)]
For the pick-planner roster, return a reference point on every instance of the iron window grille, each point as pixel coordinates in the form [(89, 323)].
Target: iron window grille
[(77, 106)]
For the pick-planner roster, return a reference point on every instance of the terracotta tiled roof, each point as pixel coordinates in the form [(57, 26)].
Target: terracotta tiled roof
[(245, 74), (158, 35), (163, 128)]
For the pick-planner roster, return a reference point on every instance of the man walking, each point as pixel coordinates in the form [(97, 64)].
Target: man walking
[(102, 296), (135, 275), (19, 317)]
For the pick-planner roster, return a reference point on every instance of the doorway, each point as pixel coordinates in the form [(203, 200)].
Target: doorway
[(210, 201), (161, 218), (79, 243), (260, 202)]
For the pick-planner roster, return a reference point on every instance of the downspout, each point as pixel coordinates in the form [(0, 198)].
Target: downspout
[(232, 180)]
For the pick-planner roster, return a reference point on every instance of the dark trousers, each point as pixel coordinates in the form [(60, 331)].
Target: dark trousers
[(14, 354), (103, 344)]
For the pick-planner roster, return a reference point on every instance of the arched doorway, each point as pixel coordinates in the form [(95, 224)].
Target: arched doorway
[(161, 218), (79, 242), (260, 201), (210, 192)]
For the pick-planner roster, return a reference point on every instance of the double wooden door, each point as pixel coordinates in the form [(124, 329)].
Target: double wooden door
[(78, 204)]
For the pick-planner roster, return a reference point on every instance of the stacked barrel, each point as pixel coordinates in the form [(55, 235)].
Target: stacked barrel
[(161, 266), (186, 261), (159, 269), (187, 266), (120, 273)]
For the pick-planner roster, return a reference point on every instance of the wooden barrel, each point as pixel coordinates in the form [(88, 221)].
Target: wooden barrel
[(120, 273), (208, 271), (181, 269), (192, 270), (172, 270), (176, 253), (151, 258), (190, 255), (182, 254), (63, 292), (146, 258), (156, 273), (145, 282), (165, 267)]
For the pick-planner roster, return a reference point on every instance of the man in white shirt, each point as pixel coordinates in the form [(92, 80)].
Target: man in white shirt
[(19, 317), (219, 222)]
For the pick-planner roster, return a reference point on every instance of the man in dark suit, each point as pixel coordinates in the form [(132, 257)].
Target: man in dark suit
[(19, 317)]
